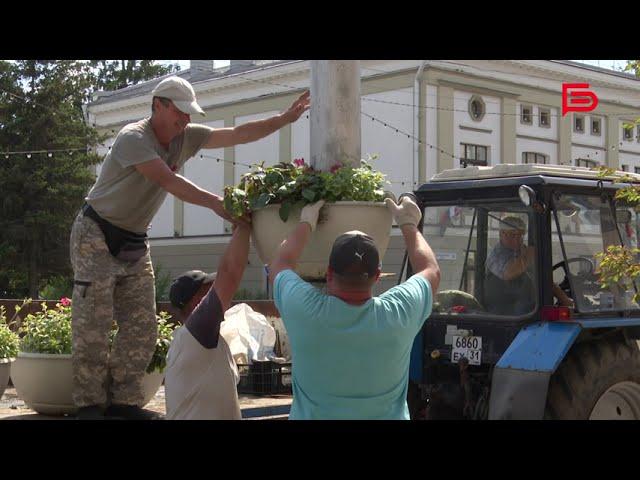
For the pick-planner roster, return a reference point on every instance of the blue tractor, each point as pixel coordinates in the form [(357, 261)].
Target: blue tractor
[(521, 327)]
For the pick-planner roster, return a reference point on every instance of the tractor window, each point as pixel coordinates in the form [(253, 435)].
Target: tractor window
[(587, 227), (487, 258)]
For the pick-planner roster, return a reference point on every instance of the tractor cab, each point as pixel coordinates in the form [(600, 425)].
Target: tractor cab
[(518, 250)]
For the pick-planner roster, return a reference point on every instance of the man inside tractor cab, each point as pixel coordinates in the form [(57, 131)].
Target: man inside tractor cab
[(509, 285)]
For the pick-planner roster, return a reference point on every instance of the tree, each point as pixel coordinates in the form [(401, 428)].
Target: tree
[(633, 66), (116, 74), (41, 192), (41, 109), (619, 265)]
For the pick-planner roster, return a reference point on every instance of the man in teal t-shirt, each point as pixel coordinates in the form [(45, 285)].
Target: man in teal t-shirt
[(350, 350)]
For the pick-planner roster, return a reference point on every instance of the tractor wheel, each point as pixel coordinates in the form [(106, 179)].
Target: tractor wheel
[(598, 380)]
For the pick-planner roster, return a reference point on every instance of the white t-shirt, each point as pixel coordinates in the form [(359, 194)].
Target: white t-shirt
[(200, 383)]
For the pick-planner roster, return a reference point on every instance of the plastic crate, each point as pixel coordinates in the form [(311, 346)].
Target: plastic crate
[(265, 378)]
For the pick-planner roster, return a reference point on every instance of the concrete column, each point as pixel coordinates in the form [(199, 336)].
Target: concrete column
[(508, 134), (422, 131), (613, 143), (335, 113), (445, 127), (565, 129)]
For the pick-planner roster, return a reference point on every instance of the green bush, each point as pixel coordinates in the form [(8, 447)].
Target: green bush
[(9, 341), (246, 294), (49, 331), (296, 184), (57, 286), (163, 283), (165, 335)]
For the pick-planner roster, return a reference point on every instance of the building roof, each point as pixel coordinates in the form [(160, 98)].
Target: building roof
[(198, 76), (629, 76), (505, 170), (192, 76)]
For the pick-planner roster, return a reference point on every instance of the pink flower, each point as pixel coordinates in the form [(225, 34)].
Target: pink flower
[(298, 162), (459, 309), (335, 168), (66, 302)]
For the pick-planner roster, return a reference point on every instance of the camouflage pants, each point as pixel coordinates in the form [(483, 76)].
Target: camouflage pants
[(105, 290)]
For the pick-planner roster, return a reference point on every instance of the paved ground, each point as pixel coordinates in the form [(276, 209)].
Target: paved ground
[(253, 407)]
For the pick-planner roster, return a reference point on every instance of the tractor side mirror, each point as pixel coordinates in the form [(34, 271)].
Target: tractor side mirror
[(529, 198)]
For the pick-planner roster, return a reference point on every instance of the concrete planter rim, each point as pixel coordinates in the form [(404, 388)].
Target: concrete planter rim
[(328, 204), (61, 356)]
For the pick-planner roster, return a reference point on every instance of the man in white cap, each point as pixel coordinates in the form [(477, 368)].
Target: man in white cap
[(509, 281), (113, 274)]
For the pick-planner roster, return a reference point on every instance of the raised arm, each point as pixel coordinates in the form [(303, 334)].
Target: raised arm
[(204, 321), (423, 260), (252, 131), (232, 265)]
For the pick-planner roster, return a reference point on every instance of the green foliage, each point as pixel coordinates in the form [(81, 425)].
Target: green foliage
[(57, 286), (165, 335), (163, 283), (116, 74), (247, 294), (619, 266), (9, 341), (295, 185), (49, 331), (41, 109)]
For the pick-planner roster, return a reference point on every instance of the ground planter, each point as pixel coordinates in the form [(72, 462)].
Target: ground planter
[(5, 368), (269, 231), (44, 382)]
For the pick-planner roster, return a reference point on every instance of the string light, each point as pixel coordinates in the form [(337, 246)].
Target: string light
[(49, 153)]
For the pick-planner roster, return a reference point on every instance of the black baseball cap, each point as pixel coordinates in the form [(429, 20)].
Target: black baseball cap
[(186, 285), (354, 254)]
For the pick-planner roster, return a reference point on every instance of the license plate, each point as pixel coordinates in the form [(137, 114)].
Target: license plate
[(468, 347)]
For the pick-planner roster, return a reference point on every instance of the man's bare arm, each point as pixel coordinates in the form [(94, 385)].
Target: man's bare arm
[(423, 260), (158, 172), (252, 131), (232, 266)]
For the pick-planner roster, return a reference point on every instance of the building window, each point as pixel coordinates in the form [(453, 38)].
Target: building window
[(578, 123), (476, 108), (586, 162), (636, 169), (534, 157), (627, 133), (474, 154), (638, 136), (625, 168), (595, 126), (526, 114), (544, 117)]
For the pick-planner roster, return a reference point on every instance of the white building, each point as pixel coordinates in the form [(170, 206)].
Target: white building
[(427, 117)]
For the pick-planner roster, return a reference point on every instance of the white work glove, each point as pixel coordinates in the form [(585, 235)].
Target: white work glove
[(310, 214), (407, 213)]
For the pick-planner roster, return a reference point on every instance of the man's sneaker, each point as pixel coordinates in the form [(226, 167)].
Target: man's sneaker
[(91, 412), (131, 412)]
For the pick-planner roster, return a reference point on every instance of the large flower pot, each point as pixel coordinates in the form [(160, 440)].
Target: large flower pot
[(45, 383), (5, 368), (372, 218)]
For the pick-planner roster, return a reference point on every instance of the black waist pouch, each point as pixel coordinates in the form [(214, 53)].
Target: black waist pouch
[(122, 244)]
